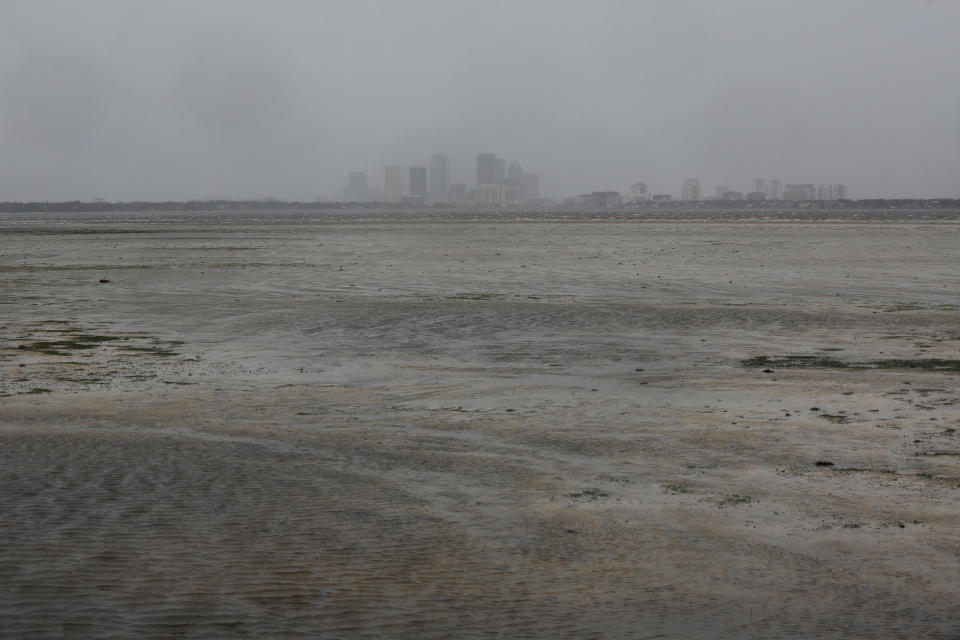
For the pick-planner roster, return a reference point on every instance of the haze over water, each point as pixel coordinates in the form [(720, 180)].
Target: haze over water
[(422, 422), (181, 100)]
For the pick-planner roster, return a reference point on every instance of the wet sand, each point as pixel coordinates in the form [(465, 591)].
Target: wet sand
[(485, 428)]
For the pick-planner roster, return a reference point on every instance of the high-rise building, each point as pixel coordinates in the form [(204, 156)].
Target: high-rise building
[(760, 186), (418, 182), (639, 192), (832, 192), (486, 168), (515, 173), (357, 189), (500, 171), (774, 189), (393, 188), (492, 194), (530, 187), (439, 178), (691, 189), (515, 182), (600, 200)]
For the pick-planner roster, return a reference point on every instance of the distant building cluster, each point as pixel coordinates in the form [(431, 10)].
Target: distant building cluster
[(691, 190), (772, 189), (497, 184), (805, 192)]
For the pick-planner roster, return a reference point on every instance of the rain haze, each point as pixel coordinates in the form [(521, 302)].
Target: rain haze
[(524, 319), (179, 100)]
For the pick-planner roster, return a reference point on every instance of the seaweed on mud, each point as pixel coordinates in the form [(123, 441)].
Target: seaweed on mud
[(819, 362), (903, 306), (55, 347), (95, 339), (156, 351), (835, 418), (734, 500), (43, 348), (898, 523), (588, 495), (474, 296), (928, 364), (63, 347), (675, 488), (921, 474), (795, 362), (864, 470)]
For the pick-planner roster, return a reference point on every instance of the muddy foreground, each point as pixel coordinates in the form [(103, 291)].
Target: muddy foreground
[(478, 429)]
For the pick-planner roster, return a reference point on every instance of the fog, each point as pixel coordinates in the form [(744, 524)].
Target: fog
[(129, 100)]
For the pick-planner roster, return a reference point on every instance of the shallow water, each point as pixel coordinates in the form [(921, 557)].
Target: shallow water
[(417, 426)]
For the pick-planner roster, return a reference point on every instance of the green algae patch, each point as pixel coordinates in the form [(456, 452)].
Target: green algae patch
[(820, 362), (64, 347), (153, 351), (795, 362)]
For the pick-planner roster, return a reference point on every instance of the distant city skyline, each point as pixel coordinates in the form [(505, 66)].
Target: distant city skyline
[(497, 183), (246, 99)]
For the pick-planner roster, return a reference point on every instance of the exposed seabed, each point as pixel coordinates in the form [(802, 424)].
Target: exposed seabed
[(487, 428)]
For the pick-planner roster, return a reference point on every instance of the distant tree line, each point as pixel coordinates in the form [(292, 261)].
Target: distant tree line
[(194, 205), (870, 203), (76, 206)]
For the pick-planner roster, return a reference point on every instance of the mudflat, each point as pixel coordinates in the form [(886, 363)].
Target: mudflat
[(230, 425)]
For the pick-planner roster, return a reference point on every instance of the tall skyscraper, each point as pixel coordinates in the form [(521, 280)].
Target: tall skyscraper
[(761, 186), (357, 189), (774, 189), (514, 173), (439, 178), (418, 182), (393, 183), (500, 171), (515, 182), (832, 192), (691, 189), (486, 168)]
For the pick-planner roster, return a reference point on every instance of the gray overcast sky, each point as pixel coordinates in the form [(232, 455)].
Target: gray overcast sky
[(131, 99)]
